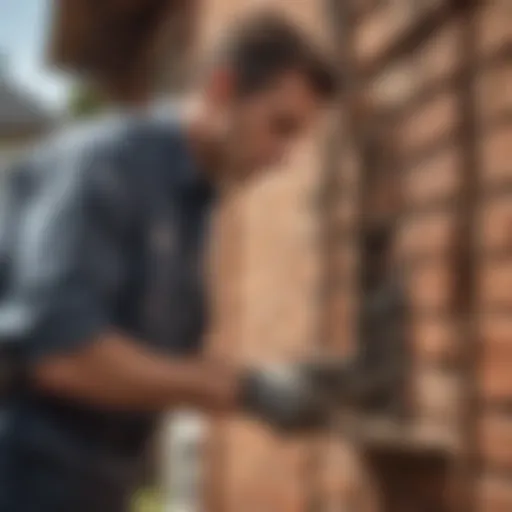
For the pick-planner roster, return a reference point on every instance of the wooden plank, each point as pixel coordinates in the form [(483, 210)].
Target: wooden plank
[(416, 436)]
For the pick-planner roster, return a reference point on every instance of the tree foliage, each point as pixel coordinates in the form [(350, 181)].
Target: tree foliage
[(84, 101)]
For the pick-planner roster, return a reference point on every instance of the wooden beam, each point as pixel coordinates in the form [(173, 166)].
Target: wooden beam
[(91, 34), (121, 45), (70, 25)]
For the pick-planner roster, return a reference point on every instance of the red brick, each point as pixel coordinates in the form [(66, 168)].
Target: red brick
[(394, 86), (496, 361), (494, 91), (496, 334), (496, 284), (269, 307), (434, 341), (437, 179), (429, 123), (494, 495), (496, 381), (436, 395), (495, 435), (439, 57), (377, 31), (495, 20), (431, 287), (496, 149), (495, 229), (427, 235)]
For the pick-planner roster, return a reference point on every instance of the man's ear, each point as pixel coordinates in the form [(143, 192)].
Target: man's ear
[(221, 86)]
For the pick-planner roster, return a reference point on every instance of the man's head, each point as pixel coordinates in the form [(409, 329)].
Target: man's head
[(265, 89)]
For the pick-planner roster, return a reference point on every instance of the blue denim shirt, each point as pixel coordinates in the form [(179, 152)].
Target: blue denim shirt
[(112, 223)]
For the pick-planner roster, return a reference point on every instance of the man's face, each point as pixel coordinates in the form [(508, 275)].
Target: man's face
[(263, 126)]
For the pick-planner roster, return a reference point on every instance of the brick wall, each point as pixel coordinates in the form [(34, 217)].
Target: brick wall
[(267, 273), (495, 328), (270, 267)]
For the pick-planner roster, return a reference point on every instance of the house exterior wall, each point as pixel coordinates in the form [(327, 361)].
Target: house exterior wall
[(271, 266), (269, 269), (267, 277), (494, 100)]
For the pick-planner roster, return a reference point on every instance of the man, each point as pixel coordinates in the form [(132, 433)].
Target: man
[(105, 292)]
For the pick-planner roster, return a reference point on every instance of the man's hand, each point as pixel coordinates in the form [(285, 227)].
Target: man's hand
[(289, 397), (300, 396), (339, 380), (119, 373)]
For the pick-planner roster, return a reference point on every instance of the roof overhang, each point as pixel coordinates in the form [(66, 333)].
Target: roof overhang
[(118, 39)]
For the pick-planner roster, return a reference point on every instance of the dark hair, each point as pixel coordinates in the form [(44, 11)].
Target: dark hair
[(264, 46)]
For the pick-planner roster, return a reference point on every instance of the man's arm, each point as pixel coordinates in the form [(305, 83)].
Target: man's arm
[(70, 244), (118, 372)]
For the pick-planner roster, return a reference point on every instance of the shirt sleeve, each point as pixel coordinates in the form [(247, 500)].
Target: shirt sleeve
[(68, 255)]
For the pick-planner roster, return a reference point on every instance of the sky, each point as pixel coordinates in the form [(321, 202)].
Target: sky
[(23, 32)]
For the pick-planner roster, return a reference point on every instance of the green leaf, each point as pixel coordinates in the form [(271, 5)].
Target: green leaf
[(147, 500), (84, 101)]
